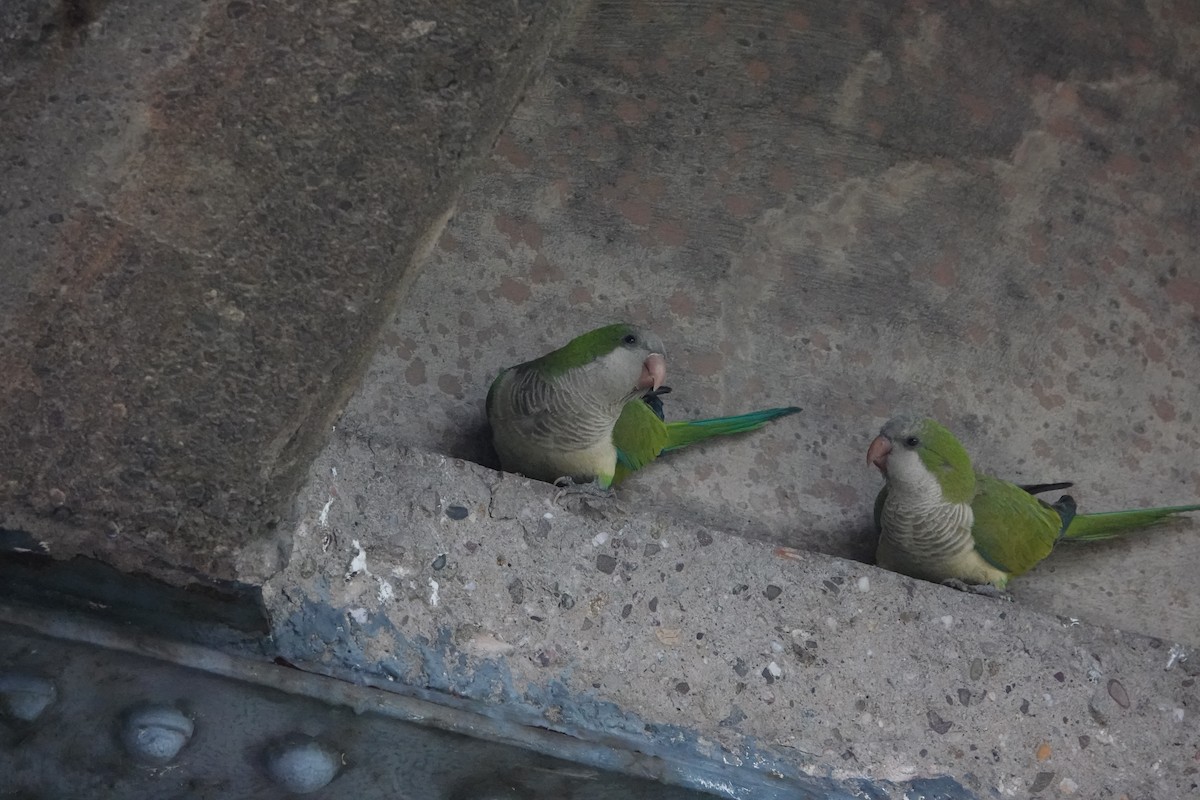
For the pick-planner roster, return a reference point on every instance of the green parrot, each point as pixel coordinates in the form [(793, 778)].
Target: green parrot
[(940, 520), (591, 410)]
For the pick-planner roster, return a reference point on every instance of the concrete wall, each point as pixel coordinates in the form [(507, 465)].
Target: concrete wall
[(208, 210), (988, 215)]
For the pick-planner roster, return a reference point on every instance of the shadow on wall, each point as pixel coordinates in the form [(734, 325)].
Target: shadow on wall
[(475, 444)]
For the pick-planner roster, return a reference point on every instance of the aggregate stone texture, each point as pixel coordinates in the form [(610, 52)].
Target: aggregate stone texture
[(988, 214), (207, 211), (829, 677)]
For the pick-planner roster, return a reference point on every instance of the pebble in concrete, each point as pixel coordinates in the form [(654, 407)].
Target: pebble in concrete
[(457, 513)]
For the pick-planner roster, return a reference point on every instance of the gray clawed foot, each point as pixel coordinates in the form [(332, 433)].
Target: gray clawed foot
[(985, 589), (588, 498)]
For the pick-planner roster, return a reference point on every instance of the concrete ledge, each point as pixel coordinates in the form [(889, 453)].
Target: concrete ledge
[(770, 672)]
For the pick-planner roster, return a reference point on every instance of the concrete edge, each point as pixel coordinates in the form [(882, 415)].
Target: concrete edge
[(789, 671)]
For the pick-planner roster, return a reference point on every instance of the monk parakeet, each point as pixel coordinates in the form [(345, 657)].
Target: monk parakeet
[(940, 520), (590, 410)]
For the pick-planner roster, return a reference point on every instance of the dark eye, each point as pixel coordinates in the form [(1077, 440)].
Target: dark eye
[(629, 338), (912, 441)]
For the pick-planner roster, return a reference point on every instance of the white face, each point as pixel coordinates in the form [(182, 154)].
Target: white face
[(634, 365), (619, 371), (907, 473)]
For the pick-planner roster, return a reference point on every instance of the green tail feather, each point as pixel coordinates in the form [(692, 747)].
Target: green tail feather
[(1091, 527), (681, 434)]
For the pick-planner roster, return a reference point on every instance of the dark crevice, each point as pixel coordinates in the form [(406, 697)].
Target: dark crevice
[(225, 614)]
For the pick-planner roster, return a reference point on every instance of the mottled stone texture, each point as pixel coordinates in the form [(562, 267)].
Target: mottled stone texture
[(769, 673), (988, 212), (206, 212)]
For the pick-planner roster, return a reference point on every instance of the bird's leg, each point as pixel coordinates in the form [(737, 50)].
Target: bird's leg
[(585, 497), (985, 589)]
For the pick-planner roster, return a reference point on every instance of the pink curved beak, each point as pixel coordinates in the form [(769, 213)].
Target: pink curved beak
[(877, 453), (654, 372)]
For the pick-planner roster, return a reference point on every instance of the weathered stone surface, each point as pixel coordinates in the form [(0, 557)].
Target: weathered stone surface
[(207, 211), (850, 682), (988, 214)]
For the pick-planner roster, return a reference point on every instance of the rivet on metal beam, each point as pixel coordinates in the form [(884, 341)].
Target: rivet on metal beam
[(301, 764), (25, 696), (155, 734)]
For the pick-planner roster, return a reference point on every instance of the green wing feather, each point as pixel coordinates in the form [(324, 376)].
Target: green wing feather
[(1013, 530), (640, 436)]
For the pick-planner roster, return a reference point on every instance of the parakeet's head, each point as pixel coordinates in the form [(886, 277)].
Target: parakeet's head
[(911, 452), (623, 359)]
